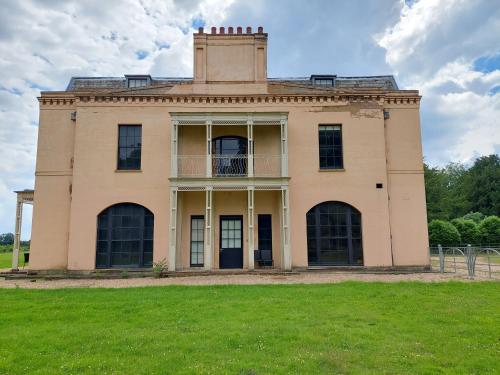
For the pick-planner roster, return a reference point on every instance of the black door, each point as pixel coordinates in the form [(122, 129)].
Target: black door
[(231, 242)]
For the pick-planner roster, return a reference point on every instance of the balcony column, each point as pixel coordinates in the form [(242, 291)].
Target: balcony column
[(251, 246), (208, 251), (174, 147), (173, 229), (250, 147), (286, 251), (209, 148), (17, 234), (284, 146)]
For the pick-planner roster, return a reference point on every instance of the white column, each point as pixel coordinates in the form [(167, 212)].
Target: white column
[(17, 234), (209, 148), (173, 229), (284, 146), (208, 228), (250, 147), (251, 246), (286, 251), (174, 148)]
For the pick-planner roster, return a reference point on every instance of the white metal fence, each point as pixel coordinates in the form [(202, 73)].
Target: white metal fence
[(471, 261)]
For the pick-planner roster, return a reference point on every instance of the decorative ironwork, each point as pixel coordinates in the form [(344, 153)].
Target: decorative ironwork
[(228, 165)]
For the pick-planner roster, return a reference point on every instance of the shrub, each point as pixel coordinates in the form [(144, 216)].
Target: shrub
[(476, 217), (159, 267), (443, 233), (489, 230), (469, 231)]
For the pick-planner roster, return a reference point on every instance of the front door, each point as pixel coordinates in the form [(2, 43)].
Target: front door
[(231, 242)]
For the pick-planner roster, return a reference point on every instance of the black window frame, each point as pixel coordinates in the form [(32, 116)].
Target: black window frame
[(229, 162), (325, 82), (132, 80), (328, 225), (134, 83), (198, 264), (330, 147), (127, 143), (125, 223)]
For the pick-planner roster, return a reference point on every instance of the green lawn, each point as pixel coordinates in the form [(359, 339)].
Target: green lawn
[(352, 327), (6, 259)]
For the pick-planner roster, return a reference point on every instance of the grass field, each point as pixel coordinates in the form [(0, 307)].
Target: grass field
[(352, 327), (6, 259)]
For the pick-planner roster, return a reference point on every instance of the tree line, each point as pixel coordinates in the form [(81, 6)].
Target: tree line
[(463, 203)]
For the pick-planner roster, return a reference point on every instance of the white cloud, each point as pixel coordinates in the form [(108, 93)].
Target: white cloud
[(43, 44), (431, 45), (432, 48)]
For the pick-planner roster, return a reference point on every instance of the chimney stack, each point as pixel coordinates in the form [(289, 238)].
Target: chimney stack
[(229, 57)]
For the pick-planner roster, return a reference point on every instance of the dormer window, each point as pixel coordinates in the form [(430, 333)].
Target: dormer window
[(323, 81), (137, 81)]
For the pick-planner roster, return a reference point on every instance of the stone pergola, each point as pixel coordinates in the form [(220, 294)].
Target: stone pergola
[(23, 196)]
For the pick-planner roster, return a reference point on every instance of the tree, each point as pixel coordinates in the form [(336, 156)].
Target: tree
[(6, 239), (436, 193), (454, 190), (490, 230), (483, 185), (456, 179), (469, 231), (443, 233), (476, 217)]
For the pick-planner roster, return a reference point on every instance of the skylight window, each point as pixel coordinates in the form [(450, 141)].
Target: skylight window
[(142, 82), (137, 81), (323, 81)]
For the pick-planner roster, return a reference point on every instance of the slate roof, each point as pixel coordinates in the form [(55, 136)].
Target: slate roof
[(284, 85)]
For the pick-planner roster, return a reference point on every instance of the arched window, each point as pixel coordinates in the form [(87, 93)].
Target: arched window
[(229, 156), (334, 235), (125, 236)]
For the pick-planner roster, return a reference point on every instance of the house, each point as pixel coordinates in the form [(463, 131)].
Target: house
[(229, 168)]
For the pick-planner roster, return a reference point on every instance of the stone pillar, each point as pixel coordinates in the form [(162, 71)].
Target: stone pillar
[(250, 171), (208, 229), (209, 148), (174, 148), (173, 229), (284, 146), (286, 255), (17, 234), (251, 246)]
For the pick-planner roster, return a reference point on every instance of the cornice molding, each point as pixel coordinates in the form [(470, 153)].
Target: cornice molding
[(156, 99)]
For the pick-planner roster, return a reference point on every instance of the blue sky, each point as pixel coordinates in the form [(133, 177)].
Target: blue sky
[(447, 49)]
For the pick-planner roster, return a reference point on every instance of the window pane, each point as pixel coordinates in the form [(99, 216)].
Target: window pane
[(336, 239), (129, 237), (197, 225), (330, 147), (129, 147)]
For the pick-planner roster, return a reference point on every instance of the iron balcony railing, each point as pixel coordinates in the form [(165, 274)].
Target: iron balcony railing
[(228, 166)]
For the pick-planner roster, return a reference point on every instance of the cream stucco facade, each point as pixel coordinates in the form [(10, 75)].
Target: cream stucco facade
[(183, 176)]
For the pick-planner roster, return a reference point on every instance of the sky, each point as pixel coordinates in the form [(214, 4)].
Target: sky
[(447, 49)]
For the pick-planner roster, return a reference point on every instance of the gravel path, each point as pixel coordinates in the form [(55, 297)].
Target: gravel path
[(243, 279)]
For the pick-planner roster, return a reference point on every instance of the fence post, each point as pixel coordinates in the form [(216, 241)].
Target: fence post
[(454, 260), (471, 261), (489, 263), (441, 259)]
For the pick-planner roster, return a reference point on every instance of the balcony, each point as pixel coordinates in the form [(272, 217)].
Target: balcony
[(229, 166)]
